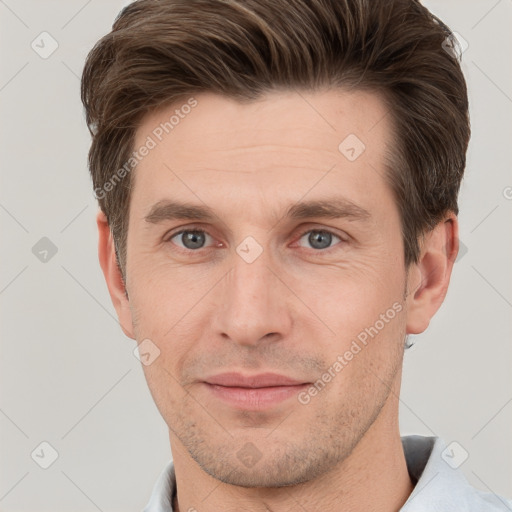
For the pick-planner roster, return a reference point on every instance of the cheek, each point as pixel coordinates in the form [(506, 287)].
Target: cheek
[(163, 292), (169, 396), (350, 298), (168, 304)]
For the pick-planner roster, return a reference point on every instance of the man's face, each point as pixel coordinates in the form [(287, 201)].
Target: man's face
[(261, 291)]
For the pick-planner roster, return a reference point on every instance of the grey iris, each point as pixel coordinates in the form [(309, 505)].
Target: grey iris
[(320, 239), (193, 239)]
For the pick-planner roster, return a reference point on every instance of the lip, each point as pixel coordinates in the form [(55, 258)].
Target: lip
[(253, 392), (262, 380)]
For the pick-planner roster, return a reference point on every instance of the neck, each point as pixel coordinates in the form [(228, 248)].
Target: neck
[(373, 477)]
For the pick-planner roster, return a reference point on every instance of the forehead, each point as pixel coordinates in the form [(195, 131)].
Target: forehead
[(314, 119), (276, 146)]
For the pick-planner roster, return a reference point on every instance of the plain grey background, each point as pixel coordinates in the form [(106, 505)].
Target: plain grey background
[(68, 374)]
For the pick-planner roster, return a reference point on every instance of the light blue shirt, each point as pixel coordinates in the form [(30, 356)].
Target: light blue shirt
[(439, 485)]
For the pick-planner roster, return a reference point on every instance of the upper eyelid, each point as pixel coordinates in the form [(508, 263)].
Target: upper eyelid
[(327, 230), (172, 234)]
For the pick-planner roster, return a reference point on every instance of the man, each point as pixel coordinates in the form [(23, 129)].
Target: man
[(278, 184)]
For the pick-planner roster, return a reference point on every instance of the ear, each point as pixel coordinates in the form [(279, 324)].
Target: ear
[(115, 284), (429, 278)]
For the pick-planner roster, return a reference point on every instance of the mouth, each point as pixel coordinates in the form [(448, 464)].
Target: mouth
[(253, 392)]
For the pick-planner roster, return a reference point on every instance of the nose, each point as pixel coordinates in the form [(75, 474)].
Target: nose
[(253, 303)]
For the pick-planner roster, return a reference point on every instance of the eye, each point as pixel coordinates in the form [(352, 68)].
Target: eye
[(196, 239), (190, 239), (319, 239)]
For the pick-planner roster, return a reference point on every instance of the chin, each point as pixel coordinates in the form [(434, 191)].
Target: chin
[(250, 468)]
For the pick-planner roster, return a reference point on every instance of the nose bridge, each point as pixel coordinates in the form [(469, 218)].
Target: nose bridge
[(252, 303)]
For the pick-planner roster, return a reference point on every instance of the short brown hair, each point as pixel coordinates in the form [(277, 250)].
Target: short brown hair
[(161, 51)]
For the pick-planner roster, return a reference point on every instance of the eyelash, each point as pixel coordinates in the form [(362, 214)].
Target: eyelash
[(306, 231)]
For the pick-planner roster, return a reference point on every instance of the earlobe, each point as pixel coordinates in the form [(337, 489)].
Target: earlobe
[(113, 277), (429, 278)]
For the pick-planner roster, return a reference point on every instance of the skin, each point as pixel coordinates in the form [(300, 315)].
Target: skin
[(292, 311)]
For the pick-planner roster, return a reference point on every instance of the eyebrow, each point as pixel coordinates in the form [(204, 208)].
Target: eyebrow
[(333, 208)]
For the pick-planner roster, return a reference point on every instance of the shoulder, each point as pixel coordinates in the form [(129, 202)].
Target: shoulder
[(440, 484)]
